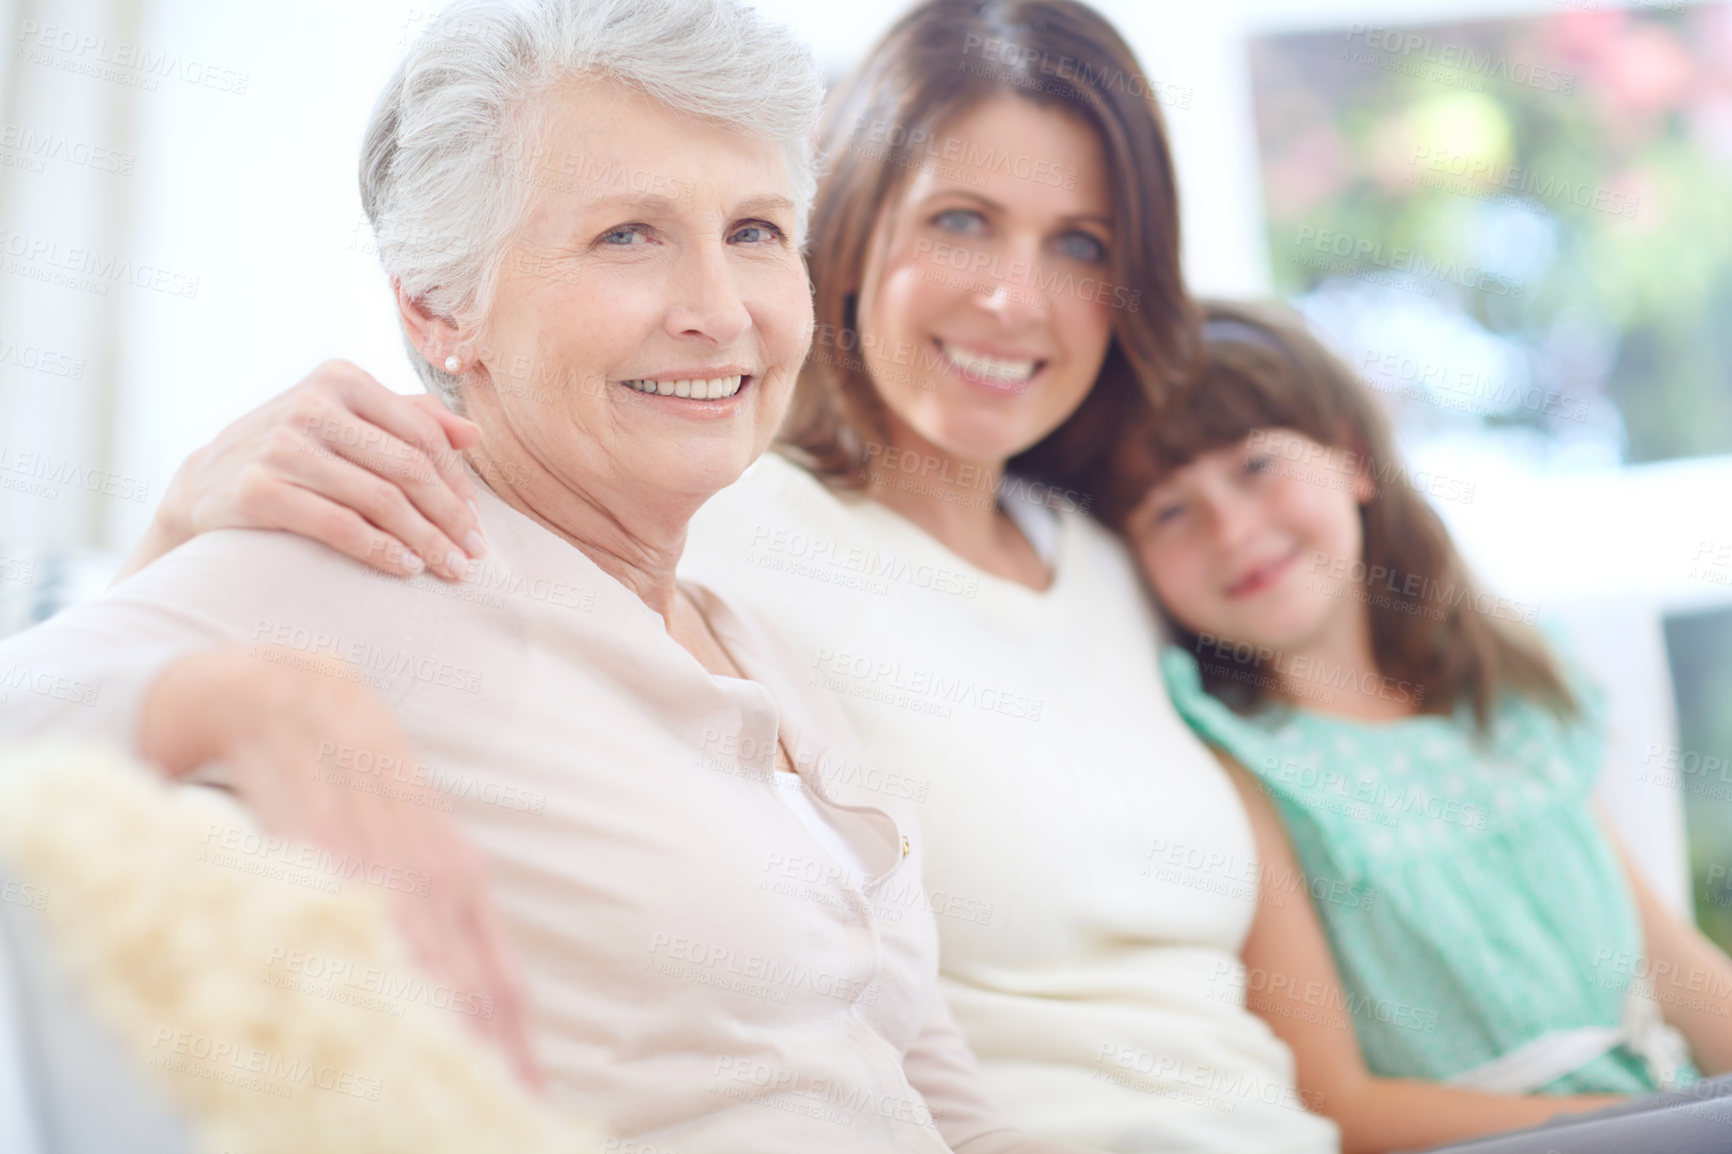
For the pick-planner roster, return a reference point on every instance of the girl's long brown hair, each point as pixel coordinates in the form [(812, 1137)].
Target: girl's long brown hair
[(939, 61), (1261, 370)]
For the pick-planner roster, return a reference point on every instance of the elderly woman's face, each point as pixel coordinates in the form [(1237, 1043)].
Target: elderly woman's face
[(653, 312)]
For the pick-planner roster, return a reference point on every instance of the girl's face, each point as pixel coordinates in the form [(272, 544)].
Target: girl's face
[(983, 314), (1239, 542)]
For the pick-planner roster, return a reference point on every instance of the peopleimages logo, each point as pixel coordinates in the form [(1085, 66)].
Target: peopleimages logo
[(1089, 78), (41, 360), (1336, 468), (133, 65), (1413, 48), (791, 551), (1268, 989), (922, 690), (1367, 799), (370, 987), (1043, 282), (37, 148), (1283, 668), (360, 657), (88, 269), (1421, 588), (44, 476), (236, 1063), (965, 152), (1462, 172), (1464, 389), (1400, 259)]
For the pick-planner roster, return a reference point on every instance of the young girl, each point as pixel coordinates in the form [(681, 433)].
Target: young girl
[(1431, 763)]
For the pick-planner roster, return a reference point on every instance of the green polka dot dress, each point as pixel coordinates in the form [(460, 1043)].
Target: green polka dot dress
[(1470, 897)]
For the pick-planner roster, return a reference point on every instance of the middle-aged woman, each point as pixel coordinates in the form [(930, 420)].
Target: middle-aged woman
[(994, 255), (995, 262), (724, 950)]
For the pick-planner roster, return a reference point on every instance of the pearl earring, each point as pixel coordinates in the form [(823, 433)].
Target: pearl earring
[(452, 364)]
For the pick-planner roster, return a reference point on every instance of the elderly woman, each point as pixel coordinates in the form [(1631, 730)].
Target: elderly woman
[(720, 950)]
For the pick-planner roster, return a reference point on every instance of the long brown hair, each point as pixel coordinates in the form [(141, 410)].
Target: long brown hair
[(1260, 371), (939, 61)]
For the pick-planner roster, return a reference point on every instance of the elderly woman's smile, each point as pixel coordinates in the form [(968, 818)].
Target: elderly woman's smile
[(657, 273), (697, 386)]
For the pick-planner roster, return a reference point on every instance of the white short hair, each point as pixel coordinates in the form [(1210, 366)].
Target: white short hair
[(439, 181)]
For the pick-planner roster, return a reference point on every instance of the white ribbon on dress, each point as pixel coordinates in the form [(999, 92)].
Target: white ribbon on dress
[(1550, 1056)]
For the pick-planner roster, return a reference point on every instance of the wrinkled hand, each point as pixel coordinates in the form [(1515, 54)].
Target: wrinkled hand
[(292, 743), (343, 460)]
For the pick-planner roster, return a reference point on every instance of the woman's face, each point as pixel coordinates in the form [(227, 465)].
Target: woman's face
[(1238, 543), (652, 312), (982, 313)]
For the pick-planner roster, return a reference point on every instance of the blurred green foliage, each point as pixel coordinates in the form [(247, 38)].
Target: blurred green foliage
[(1565, 180)]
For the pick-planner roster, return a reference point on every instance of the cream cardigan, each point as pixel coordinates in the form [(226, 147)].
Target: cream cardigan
[(703, 975), (1091, 866)]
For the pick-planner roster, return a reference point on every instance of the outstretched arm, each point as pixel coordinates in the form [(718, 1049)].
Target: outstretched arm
[(1692, 977), (159, 680), (338, 458), (1288, 950)]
